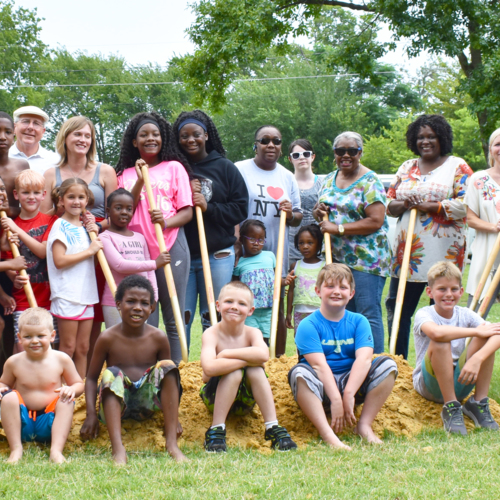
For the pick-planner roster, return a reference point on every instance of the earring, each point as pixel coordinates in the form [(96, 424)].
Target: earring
[(254, 147)]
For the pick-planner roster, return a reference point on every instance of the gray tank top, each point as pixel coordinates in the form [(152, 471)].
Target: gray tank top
[(99, 200)]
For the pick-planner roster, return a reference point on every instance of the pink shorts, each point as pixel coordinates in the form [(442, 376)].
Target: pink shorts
[(65, 309)]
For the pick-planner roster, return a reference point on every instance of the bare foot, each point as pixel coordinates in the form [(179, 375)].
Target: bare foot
[(179, 429), (15, 456), (177, 454), (366, 432), (57, 457), (335, 442), (120, 456)]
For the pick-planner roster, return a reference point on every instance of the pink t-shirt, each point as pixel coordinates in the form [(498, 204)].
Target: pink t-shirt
[(171, 191), (126, 255)]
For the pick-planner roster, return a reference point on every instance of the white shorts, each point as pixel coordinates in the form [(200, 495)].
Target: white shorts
[(65, 309)]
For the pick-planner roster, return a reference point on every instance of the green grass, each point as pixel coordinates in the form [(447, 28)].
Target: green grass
[(432, 465)]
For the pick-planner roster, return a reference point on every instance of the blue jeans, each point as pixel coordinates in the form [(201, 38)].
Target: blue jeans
[(222, 272), (413, 292), (366, 301)]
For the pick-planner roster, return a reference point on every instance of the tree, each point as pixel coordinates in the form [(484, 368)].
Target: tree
[(232, 35)]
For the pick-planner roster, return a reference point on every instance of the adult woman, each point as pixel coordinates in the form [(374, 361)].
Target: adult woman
[(354, 199), (483, 209), (434, 184), (76, 146), (220, 191), (271, 188), (301, 156)]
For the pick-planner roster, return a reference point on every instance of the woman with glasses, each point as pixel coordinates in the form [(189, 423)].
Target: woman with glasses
[(221, 193), (271, 189), (301, 156), (354, 199), (435, 184)]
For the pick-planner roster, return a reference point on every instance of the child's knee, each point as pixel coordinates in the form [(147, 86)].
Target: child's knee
[(256, 373), (439, 349), (235, 376), (9, 401)]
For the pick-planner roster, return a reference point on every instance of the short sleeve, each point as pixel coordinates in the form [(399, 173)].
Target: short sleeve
[(472, 319), (363, 335), (421, 317), (49, 227), (307, 339), (374, 192), (184, 196), (237, 269), (472, 196)]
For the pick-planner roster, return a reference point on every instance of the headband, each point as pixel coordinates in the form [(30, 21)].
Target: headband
[(143, 122), (192, 120)]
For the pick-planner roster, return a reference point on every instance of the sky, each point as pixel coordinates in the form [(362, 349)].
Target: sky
[(141, 31)]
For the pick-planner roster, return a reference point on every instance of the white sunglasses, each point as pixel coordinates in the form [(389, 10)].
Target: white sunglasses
[(305, 154)]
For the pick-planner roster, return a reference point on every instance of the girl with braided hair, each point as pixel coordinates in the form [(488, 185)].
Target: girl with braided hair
[(149, 138), (221, 193)]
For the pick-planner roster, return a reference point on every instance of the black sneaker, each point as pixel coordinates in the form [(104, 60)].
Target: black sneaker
[(215, 440), (279, 438), (479, 413), (453, 418)]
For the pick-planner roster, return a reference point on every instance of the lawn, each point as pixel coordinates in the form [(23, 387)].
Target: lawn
[(433, 465)]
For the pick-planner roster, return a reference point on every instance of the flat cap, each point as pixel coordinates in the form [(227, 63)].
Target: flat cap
[(31, 110)]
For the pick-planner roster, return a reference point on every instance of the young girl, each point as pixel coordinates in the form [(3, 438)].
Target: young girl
[(256, 269), (149, 139), (127, 253), (70, 262), (302, 278)]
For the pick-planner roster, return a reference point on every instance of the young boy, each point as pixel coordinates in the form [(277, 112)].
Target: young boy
[(232, 358), (40, 408), (140, 377), (335, 369), (32, 228), (446, 368)]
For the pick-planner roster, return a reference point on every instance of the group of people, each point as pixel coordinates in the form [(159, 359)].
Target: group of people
[(55, 200)]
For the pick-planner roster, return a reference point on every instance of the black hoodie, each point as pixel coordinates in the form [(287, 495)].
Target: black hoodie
[(227, 207)]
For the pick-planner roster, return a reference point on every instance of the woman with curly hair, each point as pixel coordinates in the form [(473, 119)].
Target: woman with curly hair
[(221, 193), (483, 209), (149, 137), (435, 184)]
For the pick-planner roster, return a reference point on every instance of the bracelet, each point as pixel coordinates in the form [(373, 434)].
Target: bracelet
[(439, 207)]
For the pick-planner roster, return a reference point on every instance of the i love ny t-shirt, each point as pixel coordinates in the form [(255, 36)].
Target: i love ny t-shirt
[(266, 188)]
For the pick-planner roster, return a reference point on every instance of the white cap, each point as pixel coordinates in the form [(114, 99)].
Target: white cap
[(31, 110)]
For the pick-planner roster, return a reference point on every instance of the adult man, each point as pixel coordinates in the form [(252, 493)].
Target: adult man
[(29, 127)]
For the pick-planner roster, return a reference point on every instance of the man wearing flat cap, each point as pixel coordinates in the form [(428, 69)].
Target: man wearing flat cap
[(29, 127)]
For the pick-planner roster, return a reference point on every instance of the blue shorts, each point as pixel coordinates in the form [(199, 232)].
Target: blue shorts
[(431, 383), (261, 319), (36, 425)]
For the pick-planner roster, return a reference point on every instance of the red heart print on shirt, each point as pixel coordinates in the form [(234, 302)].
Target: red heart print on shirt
[(275, 193)]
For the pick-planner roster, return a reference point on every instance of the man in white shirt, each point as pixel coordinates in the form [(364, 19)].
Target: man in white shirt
[(29, 127)]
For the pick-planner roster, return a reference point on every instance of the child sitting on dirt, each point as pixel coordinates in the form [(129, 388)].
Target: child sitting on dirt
[(446, 368), (33, 411), (140, 377), (335, 369), (232, 358)]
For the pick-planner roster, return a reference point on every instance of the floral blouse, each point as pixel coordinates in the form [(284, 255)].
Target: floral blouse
[(369, 253), (437, 236)]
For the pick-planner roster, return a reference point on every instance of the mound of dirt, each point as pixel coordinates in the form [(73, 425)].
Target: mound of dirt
[(404, 413)]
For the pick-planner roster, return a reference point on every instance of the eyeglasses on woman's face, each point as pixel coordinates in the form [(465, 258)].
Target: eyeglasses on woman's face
[(298, 154), (266, 140), (349, 151)]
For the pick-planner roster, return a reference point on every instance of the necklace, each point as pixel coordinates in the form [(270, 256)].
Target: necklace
[(79, 174)]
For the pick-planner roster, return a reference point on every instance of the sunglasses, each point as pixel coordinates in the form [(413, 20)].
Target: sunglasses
[(265, 141), (349, 151), (260, 241), (305, 154)]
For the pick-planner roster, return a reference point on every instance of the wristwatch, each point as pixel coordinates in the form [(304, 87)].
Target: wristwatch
[(341, 229)]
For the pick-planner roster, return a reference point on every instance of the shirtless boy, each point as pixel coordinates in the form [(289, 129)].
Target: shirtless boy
[(140, 377), (232, 358), (40, 408)]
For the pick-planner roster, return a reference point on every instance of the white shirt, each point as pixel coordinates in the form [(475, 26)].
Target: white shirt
[(41, 161)]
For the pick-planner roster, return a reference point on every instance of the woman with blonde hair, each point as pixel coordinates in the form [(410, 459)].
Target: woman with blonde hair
[(483, 212)]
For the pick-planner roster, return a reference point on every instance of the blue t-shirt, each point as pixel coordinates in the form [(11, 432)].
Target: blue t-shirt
[(337, 340)]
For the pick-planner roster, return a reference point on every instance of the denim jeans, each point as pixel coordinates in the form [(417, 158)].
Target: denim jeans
[(413, 292), (221, 268), (367, 301)]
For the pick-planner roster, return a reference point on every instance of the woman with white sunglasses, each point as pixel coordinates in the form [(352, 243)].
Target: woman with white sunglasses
[(301, 156)]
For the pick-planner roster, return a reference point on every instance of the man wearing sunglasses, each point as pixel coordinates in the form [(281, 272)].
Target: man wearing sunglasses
[(271, 189), (29, 127)]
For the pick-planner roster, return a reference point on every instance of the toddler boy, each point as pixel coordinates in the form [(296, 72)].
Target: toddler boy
[(447, 369), (335, 369), (232, 358), (40, 408)]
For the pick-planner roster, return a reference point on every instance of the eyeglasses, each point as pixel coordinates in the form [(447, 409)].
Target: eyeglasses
[(305, 154), (266, 140), (259, 241), (34, 123), (349, 151)]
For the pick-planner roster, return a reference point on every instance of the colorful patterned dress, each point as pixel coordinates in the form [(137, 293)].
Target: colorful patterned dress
[(437, 236)]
